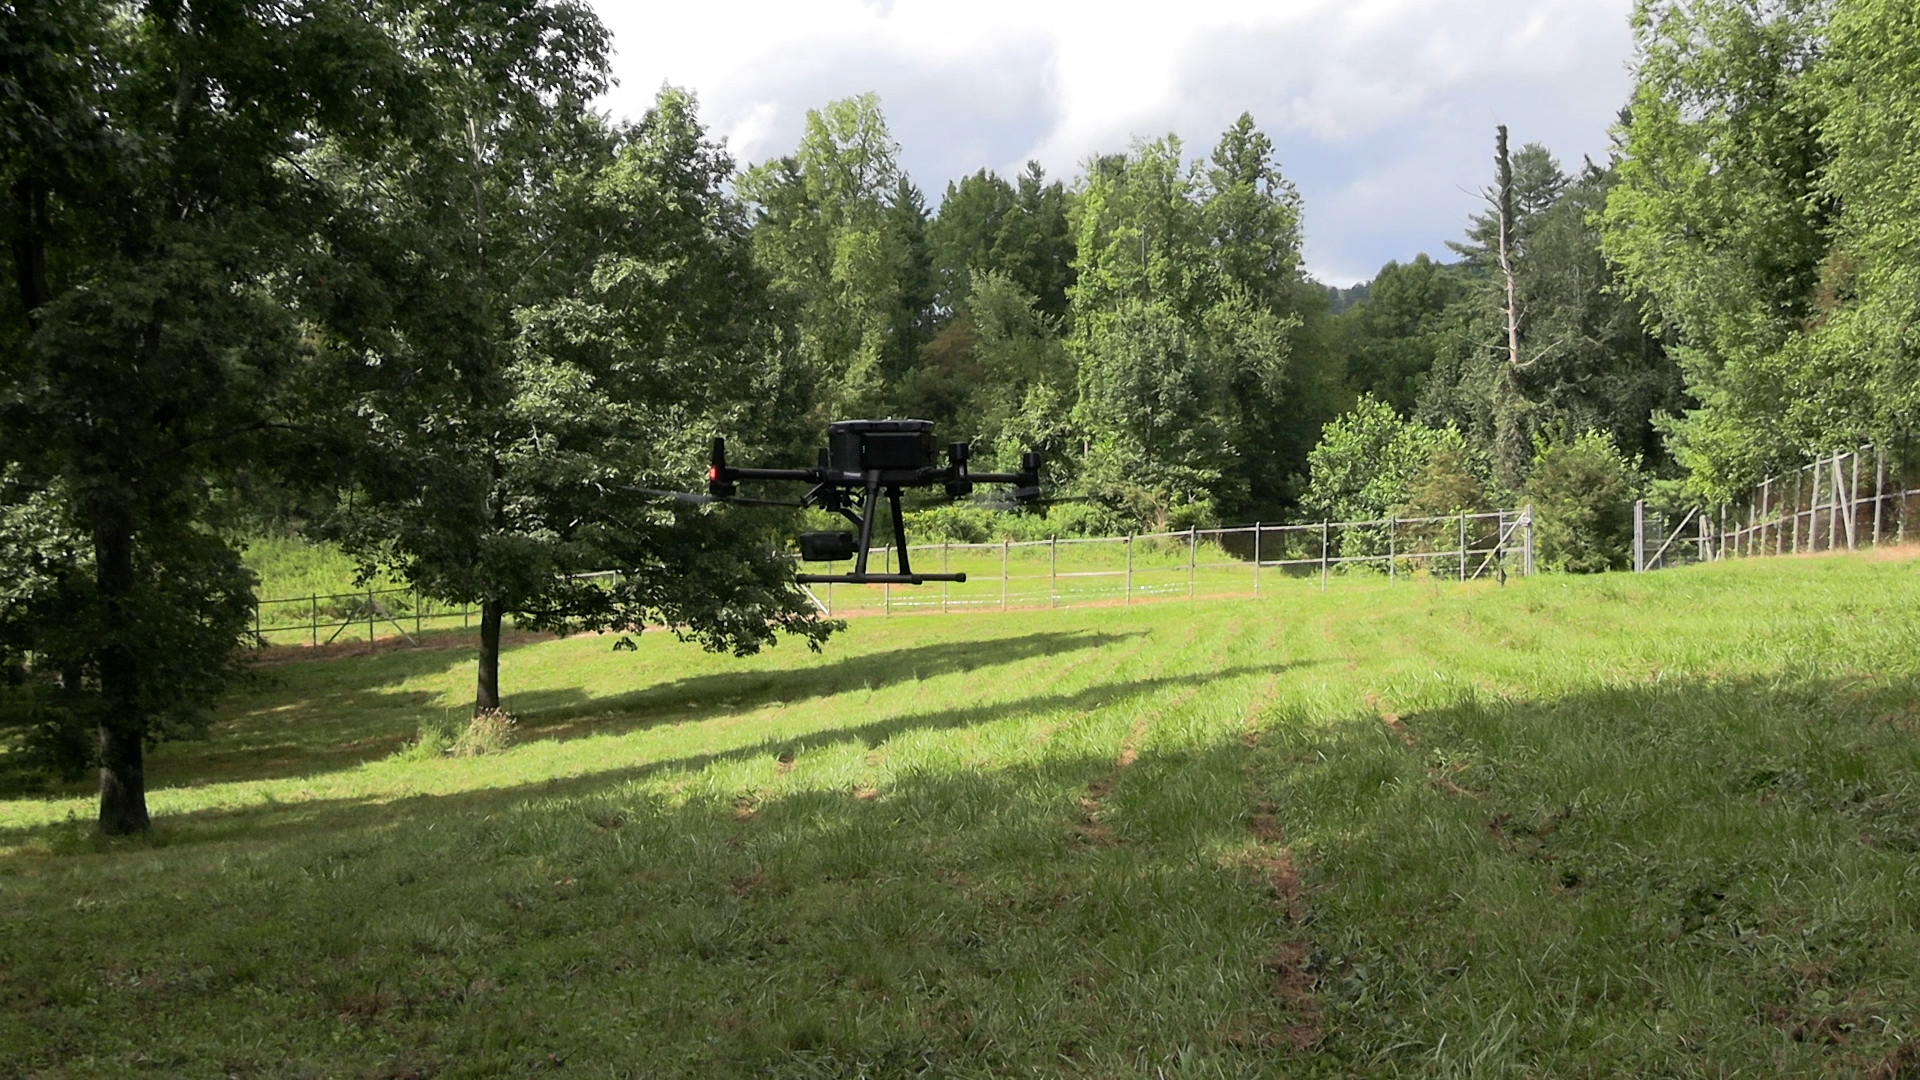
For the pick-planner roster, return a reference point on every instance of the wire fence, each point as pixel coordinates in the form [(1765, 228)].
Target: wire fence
[(1843, 501), (1864, 497), (1195, 564)]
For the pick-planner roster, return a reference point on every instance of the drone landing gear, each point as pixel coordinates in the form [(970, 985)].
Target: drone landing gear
[(833, 546)]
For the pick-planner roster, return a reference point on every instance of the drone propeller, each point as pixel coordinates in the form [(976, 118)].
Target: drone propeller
[(1026, 504), (697, 499)]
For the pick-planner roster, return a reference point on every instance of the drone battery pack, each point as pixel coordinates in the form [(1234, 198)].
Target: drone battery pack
[(827, 546), (887, 445)]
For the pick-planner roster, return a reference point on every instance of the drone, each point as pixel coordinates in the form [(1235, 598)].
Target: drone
[(862, 461)]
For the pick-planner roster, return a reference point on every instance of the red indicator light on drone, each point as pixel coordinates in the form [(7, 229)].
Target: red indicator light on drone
[(713, 473)]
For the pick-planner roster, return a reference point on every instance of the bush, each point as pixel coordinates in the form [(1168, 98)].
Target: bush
[(963, 524), (1582, 492), (488, 732)]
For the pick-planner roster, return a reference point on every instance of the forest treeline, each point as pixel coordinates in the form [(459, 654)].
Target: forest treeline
[(378, 272)]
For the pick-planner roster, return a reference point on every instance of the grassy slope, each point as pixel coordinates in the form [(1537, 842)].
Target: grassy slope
[(1629, 826)]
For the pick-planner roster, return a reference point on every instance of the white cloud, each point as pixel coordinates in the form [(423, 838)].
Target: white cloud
[(1383, 110)]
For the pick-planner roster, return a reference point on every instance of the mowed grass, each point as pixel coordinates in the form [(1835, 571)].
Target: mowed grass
[(1662, 825)]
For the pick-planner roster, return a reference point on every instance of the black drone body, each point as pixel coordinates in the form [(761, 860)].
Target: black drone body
[(862, 461)]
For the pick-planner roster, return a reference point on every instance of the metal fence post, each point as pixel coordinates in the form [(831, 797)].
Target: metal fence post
[(1640, 536), (1129, 568), (946, 550), (416, 613), (1463, 545), (1256, 558), (1797, 485), (1879, 488), (313, 609), (1006, 547), (1193, 545), (1833, 505), (1526, 542), (1053, 571), (1766, 517), (1323, 554), (1393, 560), (1853, 506), (369, 617)]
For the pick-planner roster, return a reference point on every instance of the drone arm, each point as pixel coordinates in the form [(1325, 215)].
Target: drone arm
[(772, 474)]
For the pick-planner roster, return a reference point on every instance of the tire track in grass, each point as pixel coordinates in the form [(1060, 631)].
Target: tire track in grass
[(1092, 832), (1273, 859)]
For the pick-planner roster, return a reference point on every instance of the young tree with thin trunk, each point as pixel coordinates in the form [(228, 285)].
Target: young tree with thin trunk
[(584, 317)]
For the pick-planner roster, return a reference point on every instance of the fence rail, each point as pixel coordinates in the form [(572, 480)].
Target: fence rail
[(1864, 497), (1064, 572)]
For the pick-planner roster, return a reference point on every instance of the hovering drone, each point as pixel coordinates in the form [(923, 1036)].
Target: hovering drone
[(862, 460)]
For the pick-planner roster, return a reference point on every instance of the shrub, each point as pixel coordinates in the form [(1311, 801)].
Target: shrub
[(488, 732), (1582, 492)]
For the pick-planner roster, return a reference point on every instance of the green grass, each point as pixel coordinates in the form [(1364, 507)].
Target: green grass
[(1631, 826)]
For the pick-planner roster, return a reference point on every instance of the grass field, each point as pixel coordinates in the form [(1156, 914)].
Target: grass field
[(1659, 825)]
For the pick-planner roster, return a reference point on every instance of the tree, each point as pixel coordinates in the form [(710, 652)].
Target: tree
[(1188, 317), (1718, 219), (1863, 352), (1370, 461), (1582, 491), (838, 230), (610, 319), (163, 235), (999, 376), (1544, 339), (1018, 230), (1392, 337)]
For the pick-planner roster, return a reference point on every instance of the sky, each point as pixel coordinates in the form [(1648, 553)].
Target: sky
[(1383, 111)]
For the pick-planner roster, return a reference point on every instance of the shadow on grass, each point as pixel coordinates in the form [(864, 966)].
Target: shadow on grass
[(950, 920), (274, 819), (1733, 855), (337, 714), (559, 713)]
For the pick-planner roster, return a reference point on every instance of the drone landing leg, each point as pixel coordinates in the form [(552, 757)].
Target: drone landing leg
[(871, 504), (899, 530)]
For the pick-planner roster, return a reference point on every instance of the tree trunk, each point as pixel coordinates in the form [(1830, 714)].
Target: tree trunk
[(487, 695), (30, 247), (1513, 449), (123, 725)]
